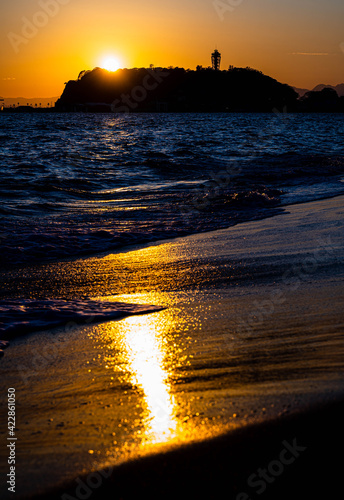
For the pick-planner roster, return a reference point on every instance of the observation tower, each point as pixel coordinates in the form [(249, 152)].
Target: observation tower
[(216, 60)]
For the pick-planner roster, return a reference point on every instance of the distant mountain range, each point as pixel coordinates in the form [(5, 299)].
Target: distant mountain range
[(338, 88)]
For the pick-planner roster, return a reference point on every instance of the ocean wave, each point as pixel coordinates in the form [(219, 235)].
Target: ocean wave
[(20, 317), (261, 197), (104, 182)]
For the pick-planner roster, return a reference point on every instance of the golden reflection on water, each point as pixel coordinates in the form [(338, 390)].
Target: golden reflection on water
[(140, 358), (145, 350), (147, 357)]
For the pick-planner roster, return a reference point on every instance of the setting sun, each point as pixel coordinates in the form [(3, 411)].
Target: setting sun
[(110, 63)]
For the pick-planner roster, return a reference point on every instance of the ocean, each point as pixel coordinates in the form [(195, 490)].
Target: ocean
[(78, 184)]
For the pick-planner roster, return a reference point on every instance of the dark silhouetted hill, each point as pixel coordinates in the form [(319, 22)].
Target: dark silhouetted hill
[(338, 88), (323, 101), (176, 90)]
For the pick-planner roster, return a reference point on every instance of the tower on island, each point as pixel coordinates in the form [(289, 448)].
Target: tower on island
[(216, 60)]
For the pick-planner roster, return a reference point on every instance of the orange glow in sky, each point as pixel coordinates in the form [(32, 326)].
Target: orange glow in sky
[(48, 42)]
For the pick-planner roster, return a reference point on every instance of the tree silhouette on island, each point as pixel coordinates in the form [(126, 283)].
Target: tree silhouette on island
[(179, 90), (176, 90)]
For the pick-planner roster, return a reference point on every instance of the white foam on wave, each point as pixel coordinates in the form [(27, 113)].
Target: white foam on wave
[(23, 316)]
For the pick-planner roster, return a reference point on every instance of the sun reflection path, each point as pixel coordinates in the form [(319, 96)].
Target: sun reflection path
[(146, 355), (144, 363)]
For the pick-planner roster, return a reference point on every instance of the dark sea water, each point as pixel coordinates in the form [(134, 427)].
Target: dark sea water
[(76, 184)]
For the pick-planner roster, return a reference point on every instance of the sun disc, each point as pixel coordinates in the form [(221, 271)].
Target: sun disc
[(110, 63)]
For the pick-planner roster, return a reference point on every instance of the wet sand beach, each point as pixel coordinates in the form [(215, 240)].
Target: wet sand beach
[(245, 356), (297, 456)]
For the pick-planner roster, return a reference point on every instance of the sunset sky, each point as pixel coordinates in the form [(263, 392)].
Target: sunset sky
[(300, 42)]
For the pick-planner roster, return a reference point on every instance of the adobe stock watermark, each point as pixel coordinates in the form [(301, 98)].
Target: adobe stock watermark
[(85, 489), (341, 46), (139, 93), (203, 195), (40, 360), (262, 478), (224, 6), (292, 279), (40, 19)]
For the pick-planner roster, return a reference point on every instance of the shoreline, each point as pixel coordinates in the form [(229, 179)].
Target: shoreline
[(238, 228), (279, 210), (131, 388)]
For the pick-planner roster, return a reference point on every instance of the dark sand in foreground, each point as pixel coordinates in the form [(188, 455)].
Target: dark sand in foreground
[(296, 457)]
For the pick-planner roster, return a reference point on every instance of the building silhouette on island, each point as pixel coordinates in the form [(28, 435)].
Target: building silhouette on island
[(216, 60), (178, 90)]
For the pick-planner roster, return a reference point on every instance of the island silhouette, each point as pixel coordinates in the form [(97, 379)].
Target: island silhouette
[(175, 89)]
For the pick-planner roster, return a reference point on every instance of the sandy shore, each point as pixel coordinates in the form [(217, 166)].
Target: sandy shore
[(252, 332), (294, 457)]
